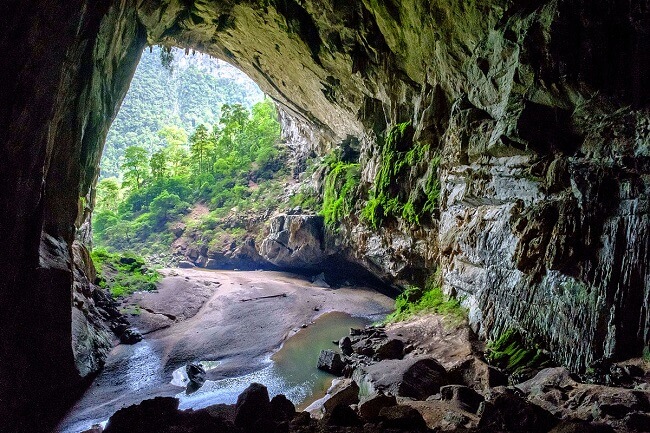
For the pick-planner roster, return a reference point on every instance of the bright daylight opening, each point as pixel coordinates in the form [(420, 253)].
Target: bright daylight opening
[(200, 207)]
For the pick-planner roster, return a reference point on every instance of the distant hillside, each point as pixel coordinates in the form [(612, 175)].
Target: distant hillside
[(189, 94)]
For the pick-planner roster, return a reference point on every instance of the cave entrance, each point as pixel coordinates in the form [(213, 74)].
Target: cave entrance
[(192, 158), (193, 169)]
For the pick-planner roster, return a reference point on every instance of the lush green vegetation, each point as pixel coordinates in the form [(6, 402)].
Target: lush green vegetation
[(341, 184), (235, 163), (510, 353), (179, 93), (430, 299), (123, 274), (388, 197)]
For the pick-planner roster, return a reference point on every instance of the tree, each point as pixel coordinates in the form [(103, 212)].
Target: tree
[(108, 194), (165, 207), (201, 144), (158, 164), (135, 167)]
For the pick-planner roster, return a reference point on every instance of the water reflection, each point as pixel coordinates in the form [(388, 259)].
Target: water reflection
[(291, 371)]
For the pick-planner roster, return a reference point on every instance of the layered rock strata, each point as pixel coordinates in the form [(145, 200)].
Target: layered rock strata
[(538, 109)]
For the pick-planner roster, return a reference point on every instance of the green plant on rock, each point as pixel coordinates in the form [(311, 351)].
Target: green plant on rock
[(416, 300), (123, 274), (511, 353), (341, 184), (388, 197)]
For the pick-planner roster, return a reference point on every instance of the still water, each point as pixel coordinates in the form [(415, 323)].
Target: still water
[(290, 371)]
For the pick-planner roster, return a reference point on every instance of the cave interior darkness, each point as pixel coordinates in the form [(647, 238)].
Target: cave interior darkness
[(345, 70)]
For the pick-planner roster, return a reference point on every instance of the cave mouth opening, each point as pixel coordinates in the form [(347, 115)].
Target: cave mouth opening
[(187, 185), (193, 154)]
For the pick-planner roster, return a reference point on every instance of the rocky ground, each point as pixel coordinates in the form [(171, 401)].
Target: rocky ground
[(420, 375), (236, 318)]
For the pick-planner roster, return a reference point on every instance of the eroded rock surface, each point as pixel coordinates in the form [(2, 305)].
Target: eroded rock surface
[(539, 111)]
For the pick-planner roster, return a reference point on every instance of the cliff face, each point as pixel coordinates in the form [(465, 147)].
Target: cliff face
[(537, 111)]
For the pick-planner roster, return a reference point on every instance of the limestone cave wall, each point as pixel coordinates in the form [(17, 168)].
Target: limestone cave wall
[(537, 109)]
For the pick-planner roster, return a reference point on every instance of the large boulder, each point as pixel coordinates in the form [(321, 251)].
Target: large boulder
[(402, 417), (417, 377), (331, 362), (253, 407), (505, 411), (295, 241)]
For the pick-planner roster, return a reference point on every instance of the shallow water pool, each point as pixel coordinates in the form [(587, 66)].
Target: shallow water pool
[(290, 371)]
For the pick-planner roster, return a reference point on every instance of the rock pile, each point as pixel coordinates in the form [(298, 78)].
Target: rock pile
[(390, 383)]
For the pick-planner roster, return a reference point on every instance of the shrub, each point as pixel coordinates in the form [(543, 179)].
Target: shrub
[(511, 353), (415, 300), (123, 274)]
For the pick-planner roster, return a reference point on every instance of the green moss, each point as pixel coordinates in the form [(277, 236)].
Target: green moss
[(123, 274), (388, 197), (510, 353), (306, 198), (415, 300), (646, 354), (341, 184)]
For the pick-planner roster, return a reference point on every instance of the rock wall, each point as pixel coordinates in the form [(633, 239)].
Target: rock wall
[(539, 110)]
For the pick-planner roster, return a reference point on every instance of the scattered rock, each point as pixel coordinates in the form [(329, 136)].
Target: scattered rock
[(130, 336), (402, 417), (331, 362), (466, 398), (369, 407), (252, 406), (282, 408)]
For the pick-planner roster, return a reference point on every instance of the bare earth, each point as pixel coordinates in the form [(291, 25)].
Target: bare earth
[(238, 318)]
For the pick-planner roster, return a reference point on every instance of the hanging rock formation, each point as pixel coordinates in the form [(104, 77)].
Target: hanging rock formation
[(538, 111)]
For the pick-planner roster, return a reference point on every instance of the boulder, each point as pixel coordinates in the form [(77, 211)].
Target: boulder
[(282, 409), (577, 426), (150, 415), (638, 421), (331, 362), (345, 393), (390, 349), (422, 379), (295, 241), (505, 411), (252, 406), (184, 264), (417, 378), (130, 336), (369, 407), (345, 344), (547, 378), (342, 415), (402, 417), (464, 397), (201, 261), (196, 375)]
